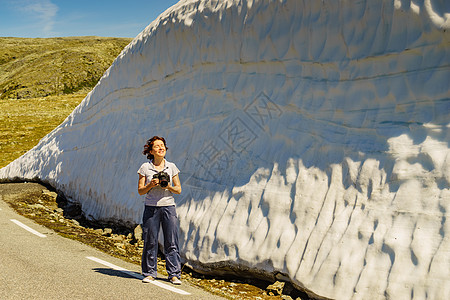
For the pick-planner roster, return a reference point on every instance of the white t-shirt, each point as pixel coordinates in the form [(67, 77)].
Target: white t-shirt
[(158, 196)]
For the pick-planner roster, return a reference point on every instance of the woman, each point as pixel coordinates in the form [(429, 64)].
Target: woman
[(159, 210)]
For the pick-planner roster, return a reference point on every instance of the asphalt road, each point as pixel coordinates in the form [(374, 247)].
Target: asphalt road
[(44, 265)]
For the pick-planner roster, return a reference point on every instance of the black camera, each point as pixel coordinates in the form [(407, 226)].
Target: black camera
[(163, 177)]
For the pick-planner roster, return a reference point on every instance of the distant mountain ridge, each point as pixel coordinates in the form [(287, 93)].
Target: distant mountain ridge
[(39, 67)]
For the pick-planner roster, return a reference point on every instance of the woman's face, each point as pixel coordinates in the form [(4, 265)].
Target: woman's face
[(158, 149)]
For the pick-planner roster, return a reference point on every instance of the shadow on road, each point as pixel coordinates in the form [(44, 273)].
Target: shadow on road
[(117, 273)]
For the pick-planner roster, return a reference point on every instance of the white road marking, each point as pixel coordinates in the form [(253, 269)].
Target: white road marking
[(136, 275), (28, 228)]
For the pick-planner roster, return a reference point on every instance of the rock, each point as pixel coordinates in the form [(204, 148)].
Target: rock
[(99, 231), (138, 233), (37, 206), (275, 288), (51, 194), (117, 237), (120, 245)]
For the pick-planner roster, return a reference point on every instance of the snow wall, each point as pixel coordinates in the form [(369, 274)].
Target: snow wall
[(312, 136)]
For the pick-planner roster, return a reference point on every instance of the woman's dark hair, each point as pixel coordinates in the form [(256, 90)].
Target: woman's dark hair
[(149, 145)]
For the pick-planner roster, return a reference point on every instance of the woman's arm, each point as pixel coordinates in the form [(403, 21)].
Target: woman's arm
[(176, 187), (143, 188)]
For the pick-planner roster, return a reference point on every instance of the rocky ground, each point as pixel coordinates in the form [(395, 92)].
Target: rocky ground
[(44, 206)]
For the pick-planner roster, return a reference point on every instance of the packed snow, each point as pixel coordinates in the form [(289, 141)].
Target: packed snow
[(312, 139)]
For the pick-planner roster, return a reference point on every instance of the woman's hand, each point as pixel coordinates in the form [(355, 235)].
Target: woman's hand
[(145, 188), (176, 188), (154, 182)]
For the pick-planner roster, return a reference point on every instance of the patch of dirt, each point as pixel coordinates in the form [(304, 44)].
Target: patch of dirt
[(45, 207)]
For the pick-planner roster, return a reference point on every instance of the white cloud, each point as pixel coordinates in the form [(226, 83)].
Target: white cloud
[(43, 10)]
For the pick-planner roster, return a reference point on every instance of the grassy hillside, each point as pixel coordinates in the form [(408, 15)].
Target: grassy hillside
[(34, 67), (24, 122), (42, 81)]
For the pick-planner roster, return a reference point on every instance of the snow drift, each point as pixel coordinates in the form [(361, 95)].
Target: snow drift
[(312, 136)]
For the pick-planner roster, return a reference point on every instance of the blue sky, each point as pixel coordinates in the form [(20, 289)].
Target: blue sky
[(61, 18)]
